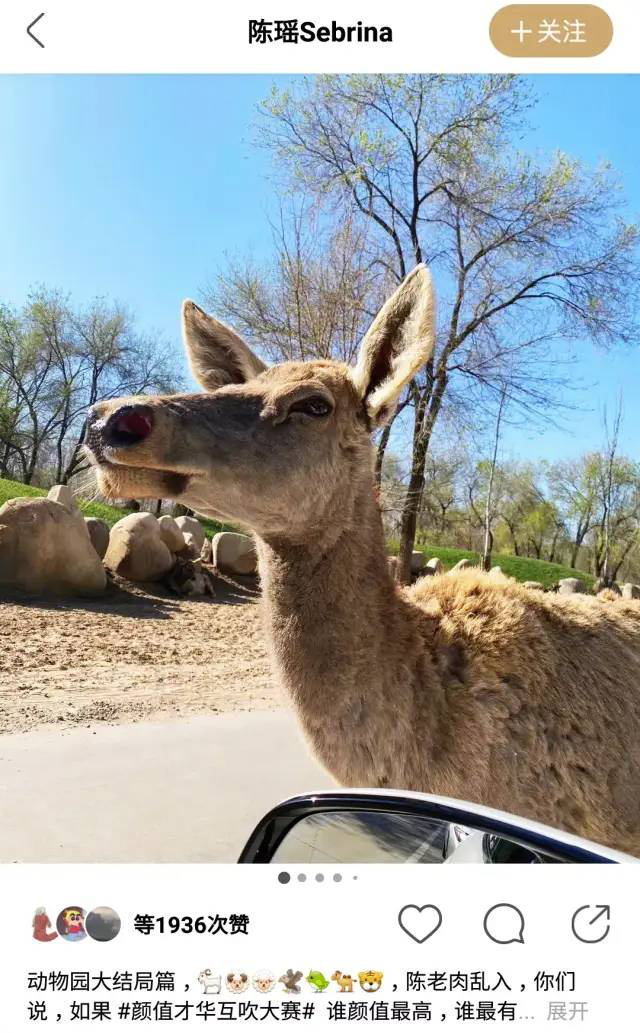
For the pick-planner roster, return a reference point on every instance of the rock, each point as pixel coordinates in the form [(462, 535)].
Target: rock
[(136, 549), (190, 546), (497, 574), (630, 591), (601, 584), (234, 553), (170, 533), (99, 531), (570, 585), (206, 552), (418, 561), (62, 494), (535, 586), (462, 564), (434, 566), (45, 548), (193, 526)]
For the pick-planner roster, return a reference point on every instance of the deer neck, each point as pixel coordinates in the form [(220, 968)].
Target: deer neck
[(330, 605)]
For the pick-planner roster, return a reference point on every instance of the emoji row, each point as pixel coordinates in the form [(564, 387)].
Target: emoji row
[(265, 981)]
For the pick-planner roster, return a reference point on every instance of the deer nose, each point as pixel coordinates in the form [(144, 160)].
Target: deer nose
[(128, 426)]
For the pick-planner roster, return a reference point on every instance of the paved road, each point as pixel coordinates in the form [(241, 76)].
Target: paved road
[(181, 791)]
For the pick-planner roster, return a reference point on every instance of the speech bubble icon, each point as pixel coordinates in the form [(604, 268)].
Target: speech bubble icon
[(504, 923)]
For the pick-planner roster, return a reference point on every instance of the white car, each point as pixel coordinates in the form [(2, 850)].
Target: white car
[(360, 826)]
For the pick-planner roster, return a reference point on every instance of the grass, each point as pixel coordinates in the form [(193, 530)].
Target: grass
[(212, 527), (110, 514), (522, 568)]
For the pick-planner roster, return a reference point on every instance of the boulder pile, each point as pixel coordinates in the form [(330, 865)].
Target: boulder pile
[(48, 547)]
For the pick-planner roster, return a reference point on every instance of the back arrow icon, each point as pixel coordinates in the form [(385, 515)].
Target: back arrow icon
[(29, 32)]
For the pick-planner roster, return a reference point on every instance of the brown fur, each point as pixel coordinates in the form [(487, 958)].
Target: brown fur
[(464, 685)]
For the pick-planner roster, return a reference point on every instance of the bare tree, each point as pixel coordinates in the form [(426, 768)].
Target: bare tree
[(441, 495), (55, 362), (574, 485), (31, 381), (314, 299), (112, 359), (527, 253)]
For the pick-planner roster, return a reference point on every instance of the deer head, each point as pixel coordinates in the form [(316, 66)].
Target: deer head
[(279, 450)]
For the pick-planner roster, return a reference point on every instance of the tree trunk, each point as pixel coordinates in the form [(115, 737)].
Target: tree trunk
[(382, 445), (616, 566), (74, 460), (427, 409), (59, 460), (488, 513), (31, 466), (4, 462), (487, 549), (554, 545)]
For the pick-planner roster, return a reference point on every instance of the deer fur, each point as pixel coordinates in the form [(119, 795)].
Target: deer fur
[(462, 685)]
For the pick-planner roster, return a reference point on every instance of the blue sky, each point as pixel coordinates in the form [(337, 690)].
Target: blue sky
[(135, 187)]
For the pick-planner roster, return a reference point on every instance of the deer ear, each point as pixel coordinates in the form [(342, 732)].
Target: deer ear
[(217, 356), (397, 344)]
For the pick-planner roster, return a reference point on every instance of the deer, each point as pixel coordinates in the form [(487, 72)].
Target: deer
[(460, 685)]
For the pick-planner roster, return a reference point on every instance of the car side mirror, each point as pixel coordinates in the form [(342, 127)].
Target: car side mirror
[(370, 827)]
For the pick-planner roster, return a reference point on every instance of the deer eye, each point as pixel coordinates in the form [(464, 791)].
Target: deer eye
[(313, 405)]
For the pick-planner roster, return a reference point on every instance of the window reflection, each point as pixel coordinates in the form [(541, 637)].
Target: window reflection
[(364, 837), (385, 837)]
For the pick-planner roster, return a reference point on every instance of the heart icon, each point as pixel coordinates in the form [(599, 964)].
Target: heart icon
[(420, 922)]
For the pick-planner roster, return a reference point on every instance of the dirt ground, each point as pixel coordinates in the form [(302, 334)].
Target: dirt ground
[(138, 652)]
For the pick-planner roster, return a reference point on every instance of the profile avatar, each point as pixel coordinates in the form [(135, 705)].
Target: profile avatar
[(103, 924), (70, 924), (41, 925)]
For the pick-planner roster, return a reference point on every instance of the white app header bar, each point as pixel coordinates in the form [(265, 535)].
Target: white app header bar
[(202, 36)]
